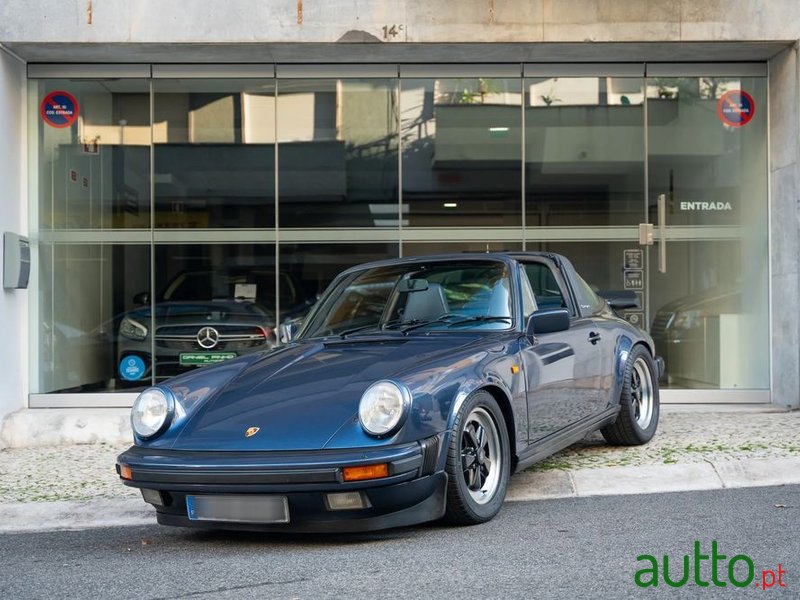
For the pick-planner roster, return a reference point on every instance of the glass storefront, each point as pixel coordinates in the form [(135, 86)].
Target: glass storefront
[(179, 220), (214, 153), (461, 152)]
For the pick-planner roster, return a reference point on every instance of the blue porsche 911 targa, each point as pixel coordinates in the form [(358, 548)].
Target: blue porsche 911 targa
[(412, 392)]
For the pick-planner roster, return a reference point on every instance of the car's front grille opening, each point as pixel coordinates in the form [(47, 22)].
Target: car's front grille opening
[(430, 454)]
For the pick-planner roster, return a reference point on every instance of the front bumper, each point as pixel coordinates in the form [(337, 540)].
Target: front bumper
[(413, 492)]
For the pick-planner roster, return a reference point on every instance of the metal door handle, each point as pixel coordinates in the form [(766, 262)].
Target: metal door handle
[(662, 233), (594, 337)]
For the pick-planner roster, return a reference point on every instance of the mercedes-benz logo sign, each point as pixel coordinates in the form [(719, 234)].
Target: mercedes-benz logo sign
[(208, 337)]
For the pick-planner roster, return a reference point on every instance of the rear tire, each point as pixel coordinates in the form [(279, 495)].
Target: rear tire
[(639, 402), (478, 462)]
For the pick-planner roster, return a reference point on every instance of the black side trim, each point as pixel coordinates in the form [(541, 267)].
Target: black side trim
[(567, 352), (566, 437)]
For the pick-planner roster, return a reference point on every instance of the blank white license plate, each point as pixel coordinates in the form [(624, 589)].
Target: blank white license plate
[(238, 509)]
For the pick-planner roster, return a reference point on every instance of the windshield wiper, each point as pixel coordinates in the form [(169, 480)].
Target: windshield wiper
[(448, 318), (479, 319), (347, 332), (414, 324), (409, 324)]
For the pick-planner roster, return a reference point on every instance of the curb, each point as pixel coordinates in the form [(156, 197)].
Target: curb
[(653, 479), (25, 517), (526, 486)]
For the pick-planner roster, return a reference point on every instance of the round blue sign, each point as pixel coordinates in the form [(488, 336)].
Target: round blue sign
[(132, 368), (59, 109), (736, 108)]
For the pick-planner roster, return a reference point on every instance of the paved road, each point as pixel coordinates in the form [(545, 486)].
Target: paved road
[(567, 548)]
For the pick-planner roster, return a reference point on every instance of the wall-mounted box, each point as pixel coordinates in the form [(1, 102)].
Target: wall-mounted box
[(16, 261)]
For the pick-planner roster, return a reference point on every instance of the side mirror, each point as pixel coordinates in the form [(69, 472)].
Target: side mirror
[(548, 320), (142, 298), (288, 331), (621, 299)]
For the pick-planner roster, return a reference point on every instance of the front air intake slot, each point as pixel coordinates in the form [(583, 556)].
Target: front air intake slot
[(430, 454)]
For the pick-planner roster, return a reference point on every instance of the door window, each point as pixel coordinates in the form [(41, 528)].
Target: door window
[(544, 285)]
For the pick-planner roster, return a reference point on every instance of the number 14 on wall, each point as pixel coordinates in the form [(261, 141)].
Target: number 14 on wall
[(390, 32)]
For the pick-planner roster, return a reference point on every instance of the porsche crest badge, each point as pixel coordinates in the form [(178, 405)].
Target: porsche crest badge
[(251, 431)]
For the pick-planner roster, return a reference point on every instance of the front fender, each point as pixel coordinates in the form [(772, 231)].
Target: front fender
[(492, 379), (439, 391)]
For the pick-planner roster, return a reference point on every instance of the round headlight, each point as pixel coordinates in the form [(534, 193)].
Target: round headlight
[(383, 407), (152, 412)]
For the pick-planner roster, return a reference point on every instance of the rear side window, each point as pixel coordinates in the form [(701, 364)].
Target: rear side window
[(587, 299)]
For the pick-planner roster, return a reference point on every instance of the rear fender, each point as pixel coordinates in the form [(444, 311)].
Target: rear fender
[(621, 352)]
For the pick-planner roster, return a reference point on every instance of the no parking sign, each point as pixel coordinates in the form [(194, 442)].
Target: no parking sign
[(59, 109), (736, 108)]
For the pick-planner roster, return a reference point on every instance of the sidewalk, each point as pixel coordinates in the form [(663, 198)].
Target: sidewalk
[(76, 486)]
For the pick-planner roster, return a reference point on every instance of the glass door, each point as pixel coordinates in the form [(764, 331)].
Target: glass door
[(705, 280), (612, 154), (585, 171)]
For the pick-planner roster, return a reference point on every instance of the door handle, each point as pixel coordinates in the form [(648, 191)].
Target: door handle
[(594, 337), (662, 233)]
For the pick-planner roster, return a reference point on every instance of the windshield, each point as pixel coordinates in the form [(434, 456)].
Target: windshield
[(442, 296), (251, 285)]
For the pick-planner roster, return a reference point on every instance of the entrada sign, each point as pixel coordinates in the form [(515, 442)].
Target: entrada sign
[(706, 206)]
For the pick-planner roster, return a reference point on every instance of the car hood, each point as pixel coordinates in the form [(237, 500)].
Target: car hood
[(301, 395)]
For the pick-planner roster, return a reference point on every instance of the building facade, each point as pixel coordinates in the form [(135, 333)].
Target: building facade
[(178, 172)]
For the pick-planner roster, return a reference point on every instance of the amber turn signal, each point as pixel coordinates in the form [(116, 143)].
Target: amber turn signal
[(125, 472), (368, 472)]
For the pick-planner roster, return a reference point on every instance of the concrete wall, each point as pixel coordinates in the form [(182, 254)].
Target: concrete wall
[(13, 217), (416, 21), (404, 20), (784, 175)]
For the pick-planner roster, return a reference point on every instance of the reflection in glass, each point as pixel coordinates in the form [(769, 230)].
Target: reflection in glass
[(709, 311), (711, 172), (93, 174), (86, 291), (461, 152), (214, 153), (214, 302), (312, 267), (710, 316), (445, 247), (338, 152), (584, 149)]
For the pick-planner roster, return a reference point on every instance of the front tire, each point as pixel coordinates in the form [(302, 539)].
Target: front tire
[(639, 402), (478, 462)]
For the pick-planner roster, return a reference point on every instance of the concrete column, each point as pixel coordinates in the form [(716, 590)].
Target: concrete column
[(784, 174), (13, 217)]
